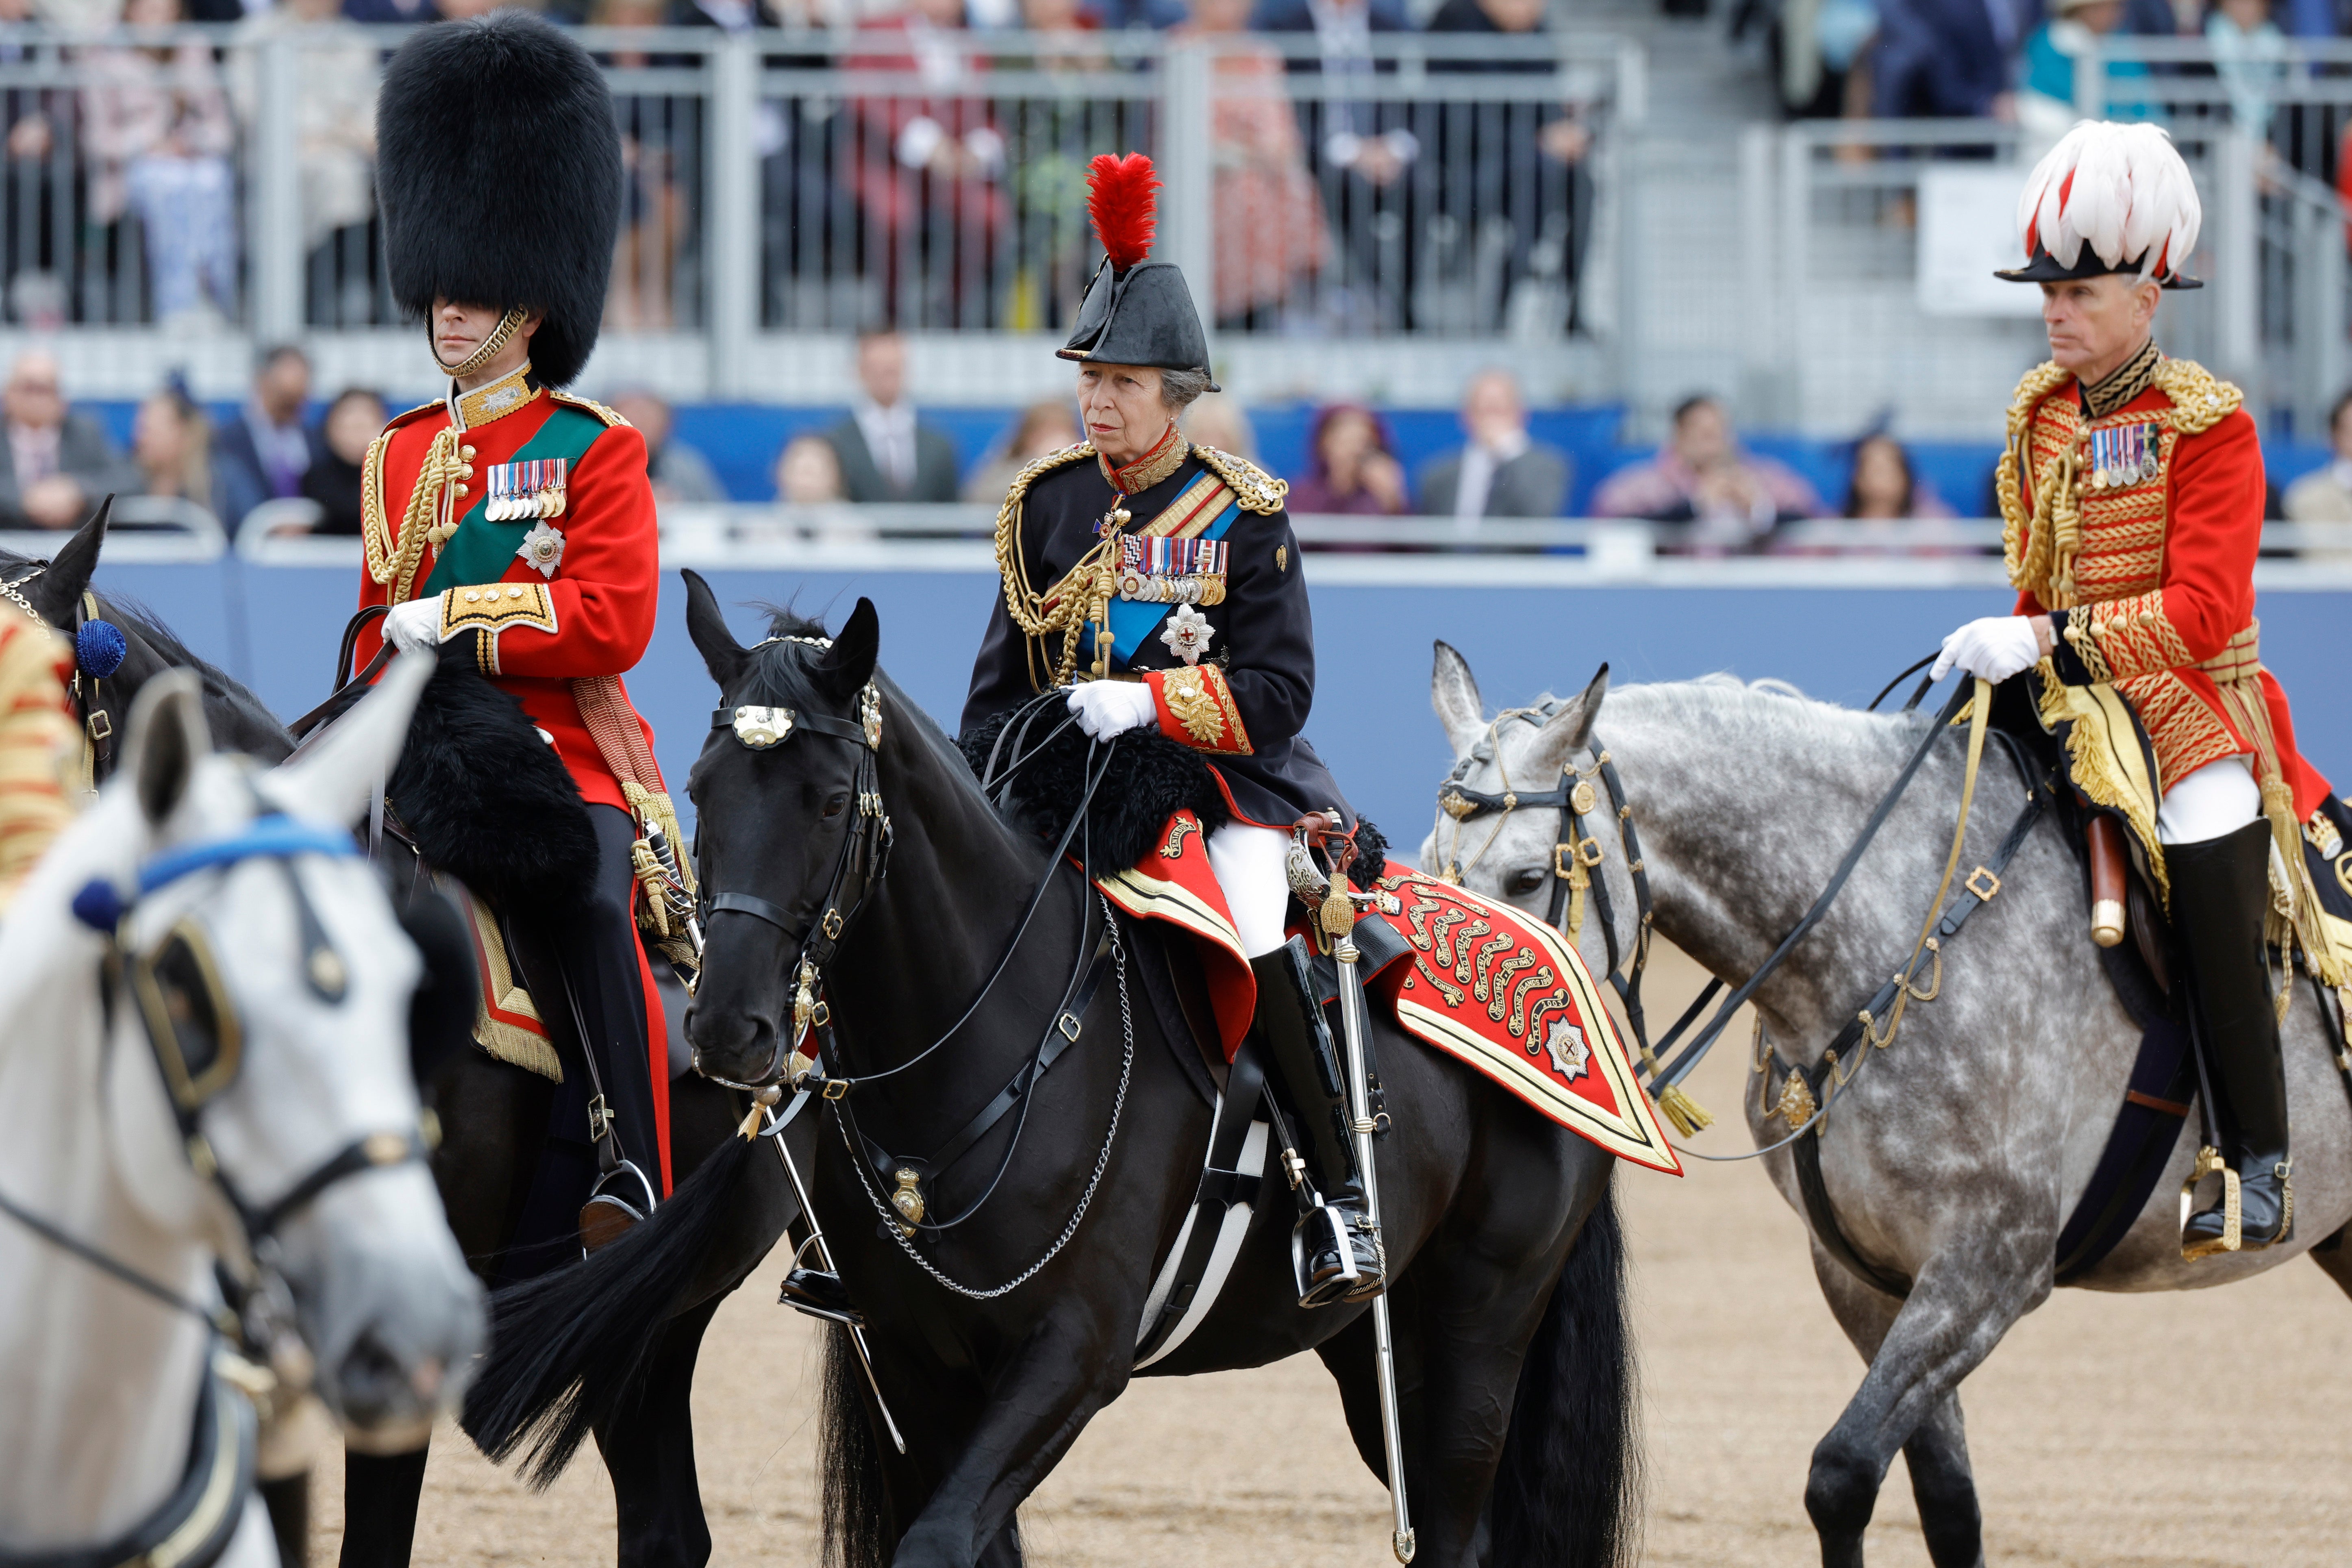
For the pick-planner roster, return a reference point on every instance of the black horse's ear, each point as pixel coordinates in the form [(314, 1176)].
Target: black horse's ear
[(849, 663), (707, 624), (56, 591)]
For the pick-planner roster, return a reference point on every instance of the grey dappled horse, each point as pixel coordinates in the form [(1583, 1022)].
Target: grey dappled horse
[(1957, 1155)]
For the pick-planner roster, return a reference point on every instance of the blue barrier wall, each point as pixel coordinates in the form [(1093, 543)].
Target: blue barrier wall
[(276, 629)]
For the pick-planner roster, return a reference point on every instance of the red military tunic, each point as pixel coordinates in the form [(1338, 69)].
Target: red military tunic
[(578, 601), (593, 615), (2151, 572)]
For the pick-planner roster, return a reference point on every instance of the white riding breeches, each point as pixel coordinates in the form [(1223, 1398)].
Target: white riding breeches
[(1247, 861), (2217, 799)]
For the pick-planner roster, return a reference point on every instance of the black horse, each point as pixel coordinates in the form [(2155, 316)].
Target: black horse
[(493, 1119), (1507, 1262)]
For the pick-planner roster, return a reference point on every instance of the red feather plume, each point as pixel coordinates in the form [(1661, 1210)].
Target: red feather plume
[(1121, 202)]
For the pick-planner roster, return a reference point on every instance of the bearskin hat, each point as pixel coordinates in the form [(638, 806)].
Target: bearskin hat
[(499, 173), (2108, 198), (1135, 312)]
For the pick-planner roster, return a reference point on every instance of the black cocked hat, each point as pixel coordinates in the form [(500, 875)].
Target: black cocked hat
[(1135, 312), (498, 174)]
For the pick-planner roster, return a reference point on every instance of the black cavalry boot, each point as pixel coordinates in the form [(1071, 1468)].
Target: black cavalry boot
[(2221, 891), (1340, 1258)]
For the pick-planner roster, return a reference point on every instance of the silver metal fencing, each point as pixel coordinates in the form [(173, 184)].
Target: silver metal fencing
[(217, 178)]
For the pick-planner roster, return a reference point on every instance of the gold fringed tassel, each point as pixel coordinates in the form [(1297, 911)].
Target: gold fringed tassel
[(1683, 1111)]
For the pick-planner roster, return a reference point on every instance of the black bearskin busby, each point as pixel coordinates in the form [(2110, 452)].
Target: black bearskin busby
[(1135, 312), (499, 173)]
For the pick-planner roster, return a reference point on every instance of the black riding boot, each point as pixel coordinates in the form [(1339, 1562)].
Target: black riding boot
[(1340, 1255), (2220, 889)]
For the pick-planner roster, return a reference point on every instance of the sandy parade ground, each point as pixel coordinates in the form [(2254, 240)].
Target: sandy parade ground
[(2189, 1429)]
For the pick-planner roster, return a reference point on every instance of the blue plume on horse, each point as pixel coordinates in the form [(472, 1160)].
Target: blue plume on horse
[(98, 648), (99, 905)]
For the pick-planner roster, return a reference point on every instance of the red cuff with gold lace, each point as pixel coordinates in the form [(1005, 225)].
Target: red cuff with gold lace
[(1196, 707)]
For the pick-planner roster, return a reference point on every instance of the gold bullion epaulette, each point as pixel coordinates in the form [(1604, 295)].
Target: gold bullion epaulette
[(610, 417), (2200, 399), (1256, 490)]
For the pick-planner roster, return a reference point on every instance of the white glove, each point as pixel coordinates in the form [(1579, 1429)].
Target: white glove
[(1995, 647), (414, 625), (1108, 707)]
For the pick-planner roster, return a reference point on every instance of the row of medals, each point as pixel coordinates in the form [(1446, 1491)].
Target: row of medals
[(2122, 455)]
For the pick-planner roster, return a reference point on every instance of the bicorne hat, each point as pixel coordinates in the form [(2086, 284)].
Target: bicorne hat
[(2108, 198), (1135, 312), (498, 173)]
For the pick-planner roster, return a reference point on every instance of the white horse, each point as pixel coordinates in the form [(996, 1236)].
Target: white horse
[(223, 1077), (1954, 1155)]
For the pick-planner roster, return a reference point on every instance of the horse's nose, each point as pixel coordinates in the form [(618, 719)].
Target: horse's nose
[(728, 1043)]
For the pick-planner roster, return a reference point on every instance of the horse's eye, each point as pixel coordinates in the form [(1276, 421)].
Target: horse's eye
[(836, 803), (1526, 880)]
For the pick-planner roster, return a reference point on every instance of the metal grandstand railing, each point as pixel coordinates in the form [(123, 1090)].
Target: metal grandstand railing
[(216, 179)]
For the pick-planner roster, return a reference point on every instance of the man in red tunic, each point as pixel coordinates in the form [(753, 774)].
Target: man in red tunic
[(2132, 495), (513, 524)]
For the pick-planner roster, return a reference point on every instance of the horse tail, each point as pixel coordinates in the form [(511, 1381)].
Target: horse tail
[(859, 1531), (1568, 1493), (569, 1347)]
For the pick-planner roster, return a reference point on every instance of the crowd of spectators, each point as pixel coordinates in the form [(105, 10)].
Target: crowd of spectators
[(940, 205)]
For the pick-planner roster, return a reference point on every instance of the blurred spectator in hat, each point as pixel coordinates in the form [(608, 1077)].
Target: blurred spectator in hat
[(1501, 472), (2250, 57), (353, 421), (1218, 419), (2324, 495), (57, 463), (263, 452), (679, 472), (1045, 428), (170, 442), (2045, 89), (157, 133), (335, 79), (1351, 465), (1267, 216), (808, 472), (886, 453), (1731, 499)]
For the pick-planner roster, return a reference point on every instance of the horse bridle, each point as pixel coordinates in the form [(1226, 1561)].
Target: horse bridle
[(174, 987), (863, 861), (98, 649), (1577, 852)]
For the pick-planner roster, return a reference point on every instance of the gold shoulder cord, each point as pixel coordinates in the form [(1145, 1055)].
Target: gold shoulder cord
[(1083, 593), (2200, 399), (1256, 490), (2038, 383), (397, 570)]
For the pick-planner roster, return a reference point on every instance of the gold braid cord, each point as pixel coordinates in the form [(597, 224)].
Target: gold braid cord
[(1083, 593), (396, 569), (1256, 490), (2025, 541), (41, 749)]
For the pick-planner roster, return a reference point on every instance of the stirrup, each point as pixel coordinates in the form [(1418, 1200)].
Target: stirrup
[(2210, 1162), (1351, 1281), (819, 1292), (613, 1208)]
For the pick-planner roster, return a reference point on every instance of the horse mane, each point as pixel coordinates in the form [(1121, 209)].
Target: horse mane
[(1723, 699), (776, 676)]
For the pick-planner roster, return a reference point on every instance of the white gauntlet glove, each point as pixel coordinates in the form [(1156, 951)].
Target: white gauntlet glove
[(1995, 647), (1108, 707), (414, 625)]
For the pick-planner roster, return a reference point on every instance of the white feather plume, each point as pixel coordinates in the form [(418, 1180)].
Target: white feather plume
[(2129, 198)]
